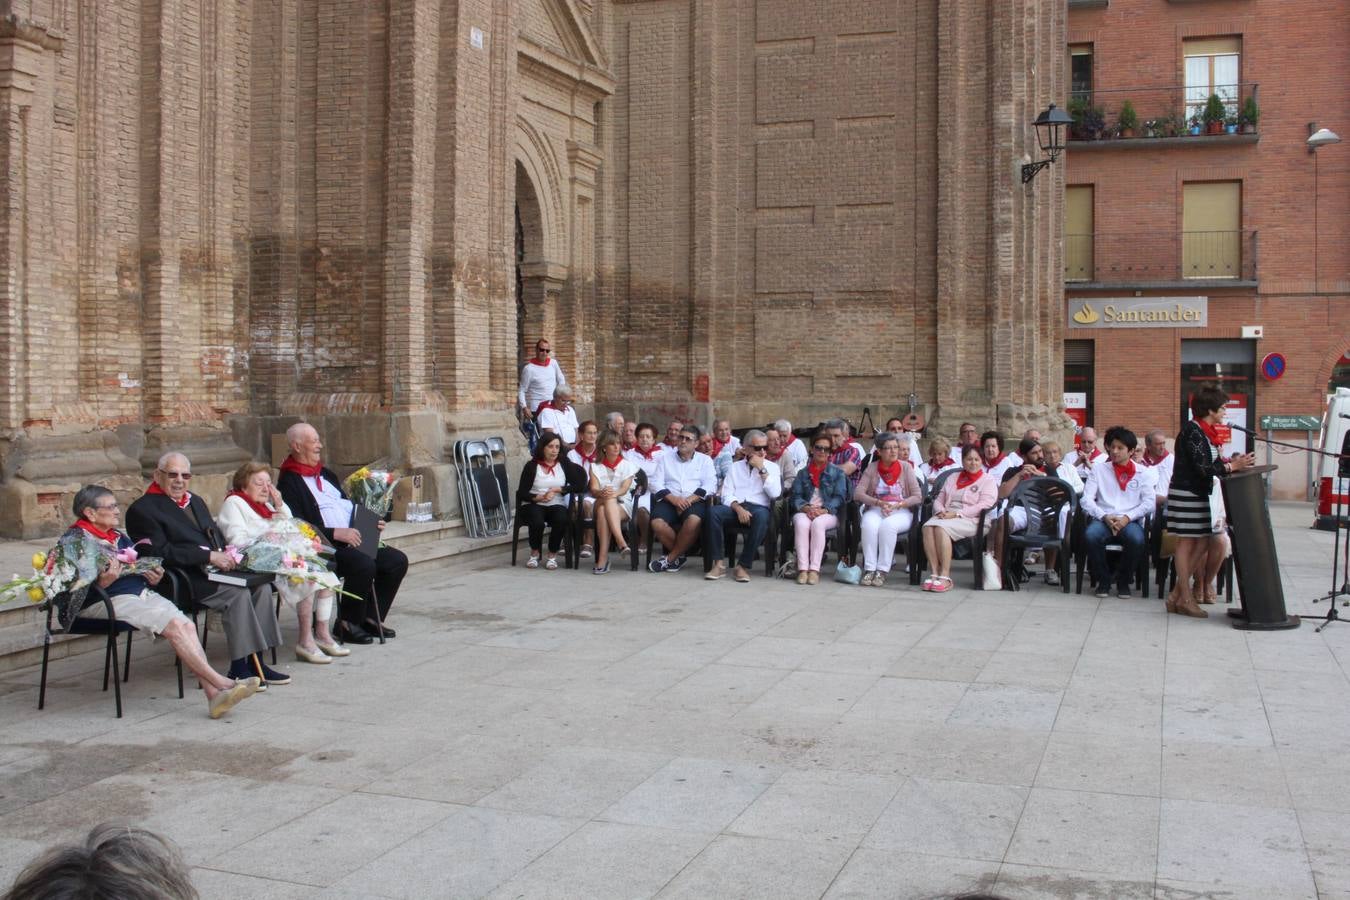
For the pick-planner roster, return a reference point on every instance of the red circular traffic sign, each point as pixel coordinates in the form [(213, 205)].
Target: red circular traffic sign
[(1273, 366)]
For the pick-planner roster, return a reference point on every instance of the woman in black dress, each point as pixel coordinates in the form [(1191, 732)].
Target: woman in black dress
[(1197, 465)]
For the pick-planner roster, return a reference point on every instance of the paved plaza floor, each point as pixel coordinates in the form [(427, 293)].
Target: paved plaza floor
[(557, 734)]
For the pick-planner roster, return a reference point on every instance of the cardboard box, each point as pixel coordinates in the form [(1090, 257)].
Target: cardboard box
[(408, 490)]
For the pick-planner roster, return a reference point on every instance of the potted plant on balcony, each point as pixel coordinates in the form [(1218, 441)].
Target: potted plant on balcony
[(1251, 114), (1128, 120), (1213, 115), (1230, 123), (1195, 125)]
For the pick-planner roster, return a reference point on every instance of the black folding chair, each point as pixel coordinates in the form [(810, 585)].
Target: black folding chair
[(112, 627), (1079, 544), (734, 529)]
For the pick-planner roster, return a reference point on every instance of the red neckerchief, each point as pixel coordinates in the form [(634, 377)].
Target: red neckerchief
[(154, 488), (626, 447), (261, 509), (966, 479), (543, 364), (788, 442), (1093, 455), (110, 535), (941, 463), (291, 464), (775, 457), (717, 448), (1150, 461), (585, 457), (547, 404), (890, 474), (1124, 473), (989, 466), (550, 469), (1216, 437), (647, 454), (611, 465), (815, 472)]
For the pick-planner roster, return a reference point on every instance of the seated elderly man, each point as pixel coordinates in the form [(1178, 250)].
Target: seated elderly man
[(778, 454), (559, 417), (1056, 467), (134, 602), (179, 530), (615, 422), (748, 492), (680, 488), (672, 439), (1116, 500), (1160, 460), (846, 454), (794, 447), (314, 494)]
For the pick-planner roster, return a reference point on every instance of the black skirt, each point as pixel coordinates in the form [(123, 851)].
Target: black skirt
[(1188, 514)]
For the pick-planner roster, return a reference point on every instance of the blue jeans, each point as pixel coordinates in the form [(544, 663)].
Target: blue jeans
[(1131, 539), (720, 516)]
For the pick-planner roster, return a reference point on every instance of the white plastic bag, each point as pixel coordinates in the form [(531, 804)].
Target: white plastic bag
[(993, 578)]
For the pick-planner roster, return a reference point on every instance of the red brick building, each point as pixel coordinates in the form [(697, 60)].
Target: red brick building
[(1192, 257)]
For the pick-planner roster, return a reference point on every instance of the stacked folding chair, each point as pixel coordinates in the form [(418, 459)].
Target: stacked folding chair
[(483, 489)]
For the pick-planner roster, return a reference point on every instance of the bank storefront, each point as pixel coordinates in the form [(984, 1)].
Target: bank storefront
[(1136, 361)]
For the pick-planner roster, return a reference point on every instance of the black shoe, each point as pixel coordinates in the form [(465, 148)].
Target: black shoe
[(272, 676), (373, 629), (677, 565), (352, 634)]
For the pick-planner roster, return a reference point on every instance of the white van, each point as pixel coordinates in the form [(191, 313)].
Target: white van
[(1331, 487)]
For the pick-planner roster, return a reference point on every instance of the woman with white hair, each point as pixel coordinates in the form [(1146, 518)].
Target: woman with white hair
[(888, 493)]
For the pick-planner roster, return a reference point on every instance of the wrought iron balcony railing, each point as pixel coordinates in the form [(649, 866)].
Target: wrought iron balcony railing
[(1161, 112), (1160, 257)]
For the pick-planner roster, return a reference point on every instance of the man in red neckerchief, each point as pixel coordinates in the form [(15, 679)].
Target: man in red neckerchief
[(313, 493), (180, 530), (539, 378), (1086, 454), (672, 438), (1116, 499), (1157, 458)]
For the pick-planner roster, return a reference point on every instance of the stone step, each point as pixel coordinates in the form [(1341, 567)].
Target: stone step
[(409, 534), (21, 645)]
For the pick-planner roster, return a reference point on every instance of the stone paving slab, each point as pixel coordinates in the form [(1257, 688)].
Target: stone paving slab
[(552, 735)]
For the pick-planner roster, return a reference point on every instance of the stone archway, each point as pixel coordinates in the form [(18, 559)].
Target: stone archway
[(539, 280)]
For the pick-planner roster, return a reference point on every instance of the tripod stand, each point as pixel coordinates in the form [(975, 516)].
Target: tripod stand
[(1340, 564)]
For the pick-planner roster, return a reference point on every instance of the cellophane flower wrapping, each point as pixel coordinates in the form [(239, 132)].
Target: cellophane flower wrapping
[(290, 548), (373, 487), (64, 573)]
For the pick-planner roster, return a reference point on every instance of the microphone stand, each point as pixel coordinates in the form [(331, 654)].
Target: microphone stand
[(1340, 564)]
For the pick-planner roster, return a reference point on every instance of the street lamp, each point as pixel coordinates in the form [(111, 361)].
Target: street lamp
[(1052, 128), (1318, 137)]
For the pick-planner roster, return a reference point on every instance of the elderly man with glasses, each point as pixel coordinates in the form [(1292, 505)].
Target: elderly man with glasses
[(180, 530), (559, 416), (539, 378), (680, 488), (751, 485)]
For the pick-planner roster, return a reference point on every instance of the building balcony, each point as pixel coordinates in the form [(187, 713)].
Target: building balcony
[(1164, 117), (1184, 260)]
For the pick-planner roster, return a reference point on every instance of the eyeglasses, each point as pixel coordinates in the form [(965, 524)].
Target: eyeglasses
[(822, 448), (172, 476), (113, 505)]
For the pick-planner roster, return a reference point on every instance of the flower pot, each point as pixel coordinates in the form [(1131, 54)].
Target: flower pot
[(1248, 128), (1230, 129), (1213, 128), (1127, 132), (1195, 129)]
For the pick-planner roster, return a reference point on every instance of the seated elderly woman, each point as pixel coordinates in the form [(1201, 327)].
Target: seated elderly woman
[(611, 486), (888, 492), (817, 503), (545, 483), (583, 454), (956, 510), (939, 460), (97, 512), (645, 454), (244, 517)]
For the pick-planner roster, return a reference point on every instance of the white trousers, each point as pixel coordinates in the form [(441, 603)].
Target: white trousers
[(879, 532)]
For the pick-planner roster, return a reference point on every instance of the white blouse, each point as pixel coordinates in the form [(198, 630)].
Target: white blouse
[(240, 525)]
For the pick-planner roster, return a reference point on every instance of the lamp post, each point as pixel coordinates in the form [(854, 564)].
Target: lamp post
[(1052, 128), (1318, 137)]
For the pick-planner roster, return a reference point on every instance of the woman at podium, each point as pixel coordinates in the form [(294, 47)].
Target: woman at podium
[(1198, 463)]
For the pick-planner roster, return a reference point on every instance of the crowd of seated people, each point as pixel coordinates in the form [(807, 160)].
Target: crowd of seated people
[(699, 482), (201, 551)]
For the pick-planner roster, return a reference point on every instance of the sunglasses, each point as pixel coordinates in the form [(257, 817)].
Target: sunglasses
[(758, 448), (185, 476), (688, 437), (822, 448)]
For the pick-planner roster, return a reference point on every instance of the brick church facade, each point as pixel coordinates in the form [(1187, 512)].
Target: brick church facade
[(224, 216)]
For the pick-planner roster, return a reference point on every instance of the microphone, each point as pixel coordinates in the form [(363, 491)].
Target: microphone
[(1344, 415)]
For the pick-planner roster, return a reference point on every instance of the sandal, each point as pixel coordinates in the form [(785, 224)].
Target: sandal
[(586, 552), (533, 563), (941, 584), (928, 583), (552, 563)]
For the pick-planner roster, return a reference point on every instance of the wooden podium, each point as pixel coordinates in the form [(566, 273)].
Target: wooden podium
[(1257, 566)]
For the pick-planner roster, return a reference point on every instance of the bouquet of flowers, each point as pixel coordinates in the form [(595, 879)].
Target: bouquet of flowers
[(373, 488), (291, 548), (65, 572)]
